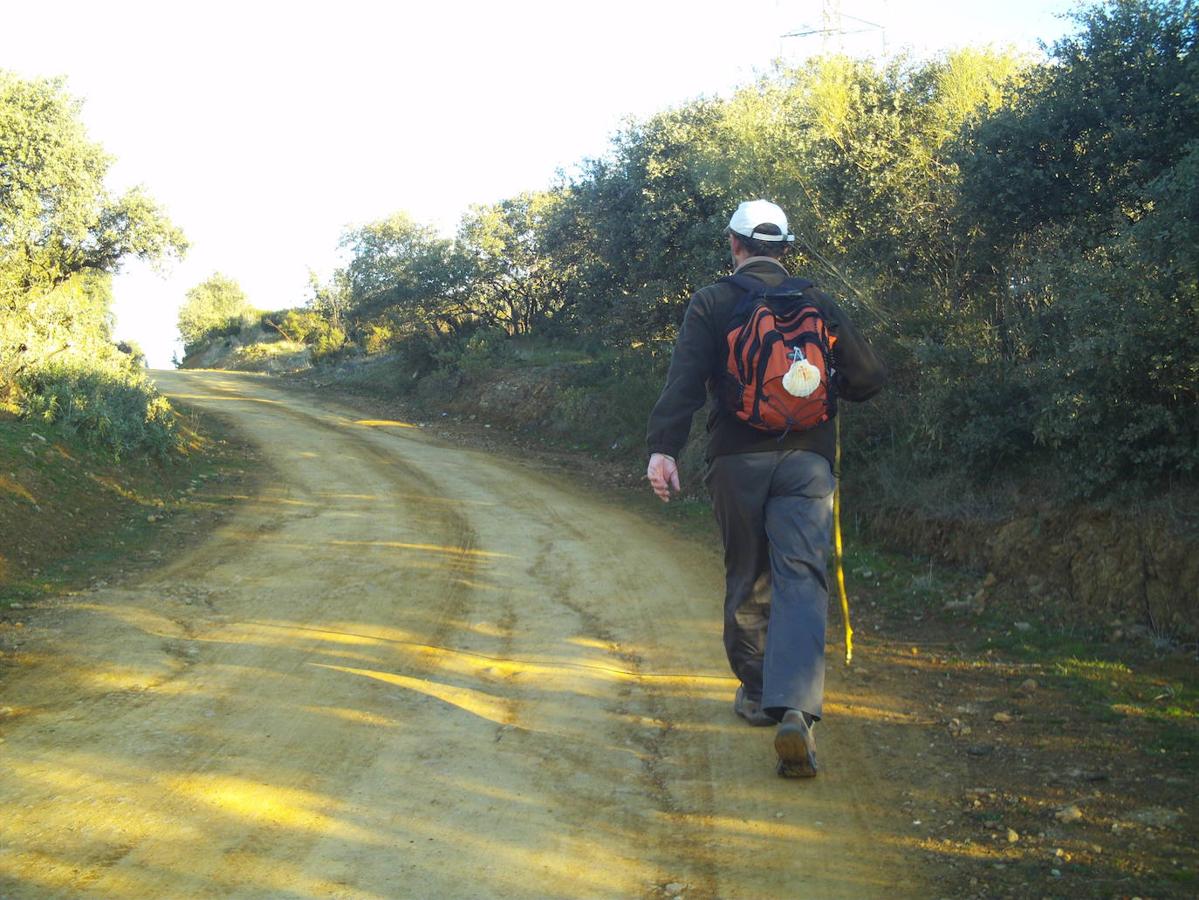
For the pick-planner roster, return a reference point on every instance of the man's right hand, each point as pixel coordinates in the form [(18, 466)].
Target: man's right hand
[(663, 475)]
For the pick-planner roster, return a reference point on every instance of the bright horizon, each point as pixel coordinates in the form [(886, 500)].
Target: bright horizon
[(265, 130)]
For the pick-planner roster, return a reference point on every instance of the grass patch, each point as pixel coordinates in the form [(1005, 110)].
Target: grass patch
[(901, 585), (70, 514)]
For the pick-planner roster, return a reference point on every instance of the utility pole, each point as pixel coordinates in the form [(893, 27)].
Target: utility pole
[(835, 25), (831, 25)]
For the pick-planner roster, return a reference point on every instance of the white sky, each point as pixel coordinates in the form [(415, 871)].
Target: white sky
[(266, 129)]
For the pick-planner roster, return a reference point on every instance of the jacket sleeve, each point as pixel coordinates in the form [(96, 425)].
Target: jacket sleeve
[(860, 374), (691, 365)]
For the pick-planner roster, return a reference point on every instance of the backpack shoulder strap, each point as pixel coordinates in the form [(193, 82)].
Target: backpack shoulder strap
[(751, 289), (748, 283), (793, 286), (754, 286)]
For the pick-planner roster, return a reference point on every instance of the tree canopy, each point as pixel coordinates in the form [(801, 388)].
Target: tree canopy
[(1018, 236), (62, 236), (57, 219), (215, 305)]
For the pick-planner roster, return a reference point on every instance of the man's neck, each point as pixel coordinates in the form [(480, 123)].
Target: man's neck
[(751, 259)]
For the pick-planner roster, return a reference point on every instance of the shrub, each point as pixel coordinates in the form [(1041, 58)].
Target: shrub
[(475, 352), (113, 407), (331, 345)]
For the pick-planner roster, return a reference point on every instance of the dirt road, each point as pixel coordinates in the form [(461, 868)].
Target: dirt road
[(406, 670)]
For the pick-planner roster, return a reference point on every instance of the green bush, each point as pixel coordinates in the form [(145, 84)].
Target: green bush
[(475, 352), (303, 325), (418, 353), (607, 401), (1119, 400), (330, 346), (113, 407)]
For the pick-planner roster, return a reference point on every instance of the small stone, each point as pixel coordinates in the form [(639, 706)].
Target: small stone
[(1012, 836), (151, 518), (1155, 816), (1056, 873), (675, 888), (1003, 718), (1028, 685), (1068, 814)]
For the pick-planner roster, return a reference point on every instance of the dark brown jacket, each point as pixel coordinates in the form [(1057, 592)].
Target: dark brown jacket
[(699, 359)]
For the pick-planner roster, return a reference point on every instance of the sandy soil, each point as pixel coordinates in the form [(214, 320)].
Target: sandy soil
[(403, 669)]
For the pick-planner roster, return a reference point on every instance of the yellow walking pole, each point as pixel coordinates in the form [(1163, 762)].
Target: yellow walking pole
[(837, 547)]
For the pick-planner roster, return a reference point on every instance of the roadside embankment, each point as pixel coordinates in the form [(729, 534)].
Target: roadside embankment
[(1131, 571), (71, 514)]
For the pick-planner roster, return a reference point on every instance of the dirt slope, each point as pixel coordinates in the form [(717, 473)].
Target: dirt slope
[(407, 670)]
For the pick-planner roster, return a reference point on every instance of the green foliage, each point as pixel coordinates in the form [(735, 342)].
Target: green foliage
[(397, 264), (114, 407), (514, 284), (56, 218), (1017, 237), (1121, 394), (216, 306), (303, 325), (61, 236), (1115, 110), (607, 401), (330, 345), (70, 320)]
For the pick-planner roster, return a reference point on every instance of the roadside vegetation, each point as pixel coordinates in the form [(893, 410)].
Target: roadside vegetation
[(91, 455), (72, 516), (1018, 237), (62, 236)]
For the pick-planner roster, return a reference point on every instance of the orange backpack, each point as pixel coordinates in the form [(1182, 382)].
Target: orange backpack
[(779, 369)]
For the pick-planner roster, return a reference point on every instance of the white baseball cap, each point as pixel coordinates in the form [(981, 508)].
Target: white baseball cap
[(752, 214)]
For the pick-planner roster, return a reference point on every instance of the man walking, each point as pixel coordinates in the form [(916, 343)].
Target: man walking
[(772, 490)]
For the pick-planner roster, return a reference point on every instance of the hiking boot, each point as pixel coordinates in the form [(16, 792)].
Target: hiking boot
[(750, 710), (796, 747)]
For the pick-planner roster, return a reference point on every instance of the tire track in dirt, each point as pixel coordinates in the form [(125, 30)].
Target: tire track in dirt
[(401, 669)]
